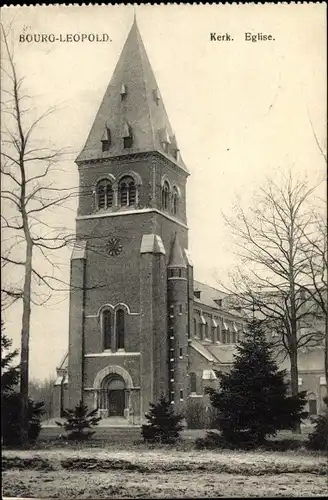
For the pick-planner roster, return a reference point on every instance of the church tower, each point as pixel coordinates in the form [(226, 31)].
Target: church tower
[(129, 267)]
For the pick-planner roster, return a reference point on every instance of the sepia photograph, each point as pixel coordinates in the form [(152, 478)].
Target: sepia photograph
[(164, 327)]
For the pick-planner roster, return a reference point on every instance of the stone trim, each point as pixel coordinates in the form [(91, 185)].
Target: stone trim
[(131, 212), (110, 353), (113, 369)]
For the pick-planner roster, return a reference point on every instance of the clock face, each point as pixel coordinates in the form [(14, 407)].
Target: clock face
[(114, 246)]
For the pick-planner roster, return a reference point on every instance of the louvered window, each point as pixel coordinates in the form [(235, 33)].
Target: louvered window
[(104, 194), (127, 192)]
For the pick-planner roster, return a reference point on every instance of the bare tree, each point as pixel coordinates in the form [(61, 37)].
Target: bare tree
[(314, 276), (28, 194), (273, 240), (43, 391)]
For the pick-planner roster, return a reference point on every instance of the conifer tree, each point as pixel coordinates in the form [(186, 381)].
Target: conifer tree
[(164, 426), (252, 401), (318, 439), (9, 373), (11, 398), (79, 422)]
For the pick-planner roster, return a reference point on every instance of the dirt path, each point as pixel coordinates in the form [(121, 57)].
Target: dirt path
[(162, 473)]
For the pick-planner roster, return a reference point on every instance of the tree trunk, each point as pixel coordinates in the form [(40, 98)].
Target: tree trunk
[(326, 352), (294, 379), (25, 337)]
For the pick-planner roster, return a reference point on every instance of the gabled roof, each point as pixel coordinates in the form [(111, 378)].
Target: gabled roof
[(132, 99), (202, 350), (208, 294)]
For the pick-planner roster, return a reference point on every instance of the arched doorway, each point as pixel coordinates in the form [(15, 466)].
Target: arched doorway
[(113, 395)]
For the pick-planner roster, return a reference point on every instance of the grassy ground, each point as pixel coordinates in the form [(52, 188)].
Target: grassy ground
[(136, 471), (115, 435)]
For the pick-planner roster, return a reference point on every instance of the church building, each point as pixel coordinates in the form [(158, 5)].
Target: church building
[(139, 325)]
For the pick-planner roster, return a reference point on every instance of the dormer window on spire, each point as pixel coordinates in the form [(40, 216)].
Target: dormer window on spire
[(123, 92), (165, 139), (105, 139), (175, 149), (127, 136), (156, 96)]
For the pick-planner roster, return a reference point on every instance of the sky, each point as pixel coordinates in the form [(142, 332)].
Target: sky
[(241, 112)]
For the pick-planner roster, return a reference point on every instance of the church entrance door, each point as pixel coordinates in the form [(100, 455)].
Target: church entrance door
[(113, 395), (116, 400)]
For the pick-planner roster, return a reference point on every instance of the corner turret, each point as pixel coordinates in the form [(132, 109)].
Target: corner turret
[(178, 325)]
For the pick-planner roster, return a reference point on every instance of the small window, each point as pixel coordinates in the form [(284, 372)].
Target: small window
[(213, 334), (181, 352), (181, 395), (127, 136), (120, 329), (175, 199), (195, 327), (180, 273), (106, 140), (128, 142), (105, 146), (193, 382), (107, 328), (156, 96), (165, 195), (313, 410), (123, 92)]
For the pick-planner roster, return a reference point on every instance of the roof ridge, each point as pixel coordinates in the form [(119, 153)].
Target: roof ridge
[(140, 42), (210, 286)]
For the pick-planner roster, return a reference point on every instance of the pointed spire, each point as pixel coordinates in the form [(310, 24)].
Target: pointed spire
[(133, 97), (176, 257)]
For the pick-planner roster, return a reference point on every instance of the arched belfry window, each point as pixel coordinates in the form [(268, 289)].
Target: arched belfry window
[(127, 191), (120, 326), (104, 194), (106, 320), (175, 200), (165, 195)]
